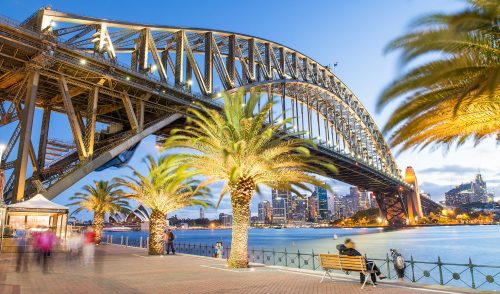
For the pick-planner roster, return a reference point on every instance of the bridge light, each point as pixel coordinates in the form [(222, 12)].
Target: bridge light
[(329, 142), (189, 82), (318, 138), (153, 68), (243, 104), (53, 24), (379, 220), (294, 128), (218, 94), (127, 78), (83, 61)]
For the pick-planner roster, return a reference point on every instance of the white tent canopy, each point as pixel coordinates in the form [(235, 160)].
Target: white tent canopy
[(38, 202)]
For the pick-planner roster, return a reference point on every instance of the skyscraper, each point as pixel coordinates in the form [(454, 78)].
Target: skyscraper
[(299, 208), (322, 203), (279, 199), (202, 213), (474, 191), (335, 206), (312, 206), (265, 212), (364, 200), (356, 195)]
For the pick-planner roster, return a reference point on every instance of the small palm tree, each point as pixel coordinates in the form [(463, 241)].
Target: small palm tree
[(100, 198), (457, 95), (164, 188), (238, 148)]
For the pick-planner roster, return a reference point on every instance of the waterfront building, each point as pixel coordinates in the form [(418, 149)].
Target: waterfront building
[(355, 195), (202, 213), (474, 191), (265, 214), (279, 200), (322, 203), (334, 206), (364, 200), (373, 201), (299, 208), (312, 207), (226, 220), (349, 205)]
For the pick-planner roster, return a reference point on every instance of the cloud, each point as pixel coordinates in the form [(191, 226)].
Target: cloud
[(452, 168), (435, 190)]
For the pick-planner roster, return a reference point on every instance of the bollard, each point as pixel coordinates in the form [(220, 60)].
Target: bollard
[(126, 242), (121, 240), (140, 242), (147, 242), (111, 239)]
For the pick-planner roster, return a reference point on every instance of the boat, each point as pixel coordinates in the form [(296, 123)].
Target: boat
[(117, 229)]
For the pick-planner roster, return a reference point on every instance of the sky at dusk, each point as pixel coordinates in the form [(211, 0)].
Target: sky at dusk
[(352, 33)]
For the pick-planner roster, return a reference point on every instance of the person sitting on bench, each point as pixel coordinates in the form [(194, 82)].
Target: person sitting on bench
[(349, 248)]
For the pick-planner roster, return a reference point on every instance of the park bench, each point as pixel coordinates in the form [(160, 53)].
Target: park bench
[(345, 263)]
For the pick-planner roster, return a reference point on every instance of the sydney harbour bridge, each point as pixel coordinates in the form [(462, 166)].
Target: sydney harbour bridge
[(117, 83)]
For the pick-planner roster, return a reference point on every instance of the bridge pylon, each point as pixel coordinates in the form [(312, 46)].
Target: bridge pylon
[(412, 197)]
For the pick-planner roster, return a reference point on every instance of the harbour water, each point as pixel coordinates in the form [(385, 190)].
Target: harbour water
[(453, 244)]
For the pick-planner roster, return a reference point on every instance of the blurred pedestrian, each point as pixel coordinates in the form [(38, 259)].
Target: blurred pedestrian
[(21, 243), (88, 249), (349, 248), (219, 249), (46, 243)]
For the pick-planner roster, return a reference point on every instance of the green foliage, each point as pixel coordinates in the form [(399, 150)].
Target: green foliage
[(455, 96), (99, 198)]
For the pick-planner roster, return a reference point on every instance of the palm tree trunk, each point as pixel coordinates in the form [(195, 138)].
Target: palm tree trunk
[(240, 202), (157, 225), (98, 226)]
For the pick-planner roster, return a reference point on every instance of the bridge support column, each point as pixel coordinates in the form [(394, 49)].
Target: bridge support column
[(25, 137)]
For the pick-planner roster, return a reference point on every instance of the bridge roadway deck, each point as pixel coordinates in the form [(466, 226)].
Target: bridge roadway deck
[(129, 270)]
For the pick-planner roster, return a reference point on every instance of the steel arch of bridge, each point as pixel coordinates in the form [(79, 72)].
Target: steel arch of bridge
[(168, 67), (238, 60)]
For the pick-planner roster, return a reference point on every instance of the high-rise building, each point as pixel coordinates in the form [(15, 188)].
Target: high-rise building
[(475, 191), (356, 195), (202, 213), (265, 212), (349, 205), (322, 203), (312, 207), (335, 206), (226, 220), (373, 200), (299, 208), (364, 200), (280, 201)]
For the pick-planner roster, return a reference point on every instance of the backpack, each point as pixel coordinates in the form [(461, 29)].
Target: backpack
[(399, 262)]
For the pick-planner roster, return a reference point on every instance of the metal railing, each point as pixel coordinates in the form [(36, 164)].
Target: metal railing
[(468, 275)]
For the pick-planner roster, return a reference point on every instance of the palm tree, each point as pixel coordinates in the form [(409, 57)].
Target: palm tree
[(166, 187), (238, 148), (100, 198), (457, 95)]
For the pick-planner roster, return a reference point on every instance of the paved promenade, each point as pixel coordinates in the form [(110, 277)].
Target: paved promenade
[(130, 270)]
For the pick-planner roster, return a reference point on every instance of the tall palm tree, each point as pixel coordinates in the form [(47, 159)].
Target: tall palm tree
[(456, 95), (238, 148), (100, 198), (165, 188)]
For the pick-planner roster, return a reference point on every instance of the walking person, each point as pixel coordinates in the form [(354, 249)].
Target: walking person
[(47, 242), (170, 241), (88, 246), (21, 242), (349, 248)]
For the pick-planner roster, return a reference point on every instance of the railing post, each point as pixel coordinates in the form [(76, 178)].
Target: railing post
[(274, 257), (147, 242), (286, 258), (387, 261), (263, 261), (111, 239), (298, 256), (439, 263), (140, 242), (121, 240), (126, 241), (412, 263), (314, 263), (471, 268)]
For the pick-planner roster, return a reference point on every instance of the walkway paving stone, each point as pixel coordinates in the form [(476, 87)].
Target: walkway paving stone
[(130, 270)]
